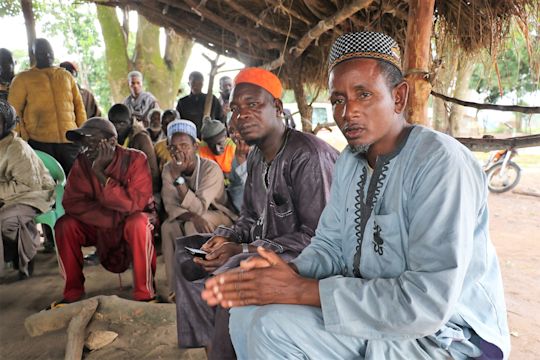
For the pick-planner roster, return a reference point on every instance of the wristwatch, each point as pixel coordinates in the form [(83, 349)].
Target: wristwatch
[(180, 181), (245, 248)]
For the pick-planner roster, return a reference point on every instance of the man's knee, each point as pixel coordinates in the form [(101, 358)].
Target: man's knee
[(189, 228), (65, 225), (240, 321), (135, 224), (168, 230), (10, 228), (263, 322)]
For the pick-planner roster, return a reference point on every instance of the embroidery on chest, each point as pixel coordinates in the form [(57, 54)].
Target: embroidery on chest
[(378, 242), (364, 210)]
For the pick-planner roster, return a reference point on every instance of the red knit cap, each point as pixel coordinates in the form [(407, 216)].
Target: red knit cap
[(260, 77)]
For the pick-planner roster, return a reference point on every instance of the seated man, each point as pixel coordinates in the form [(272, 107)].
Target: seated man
[(131, 134), (26, 189), (216, 146), (401, 266), (105, 198), (193, 193), (238, 176), (289, 176), (154, 128), (162, 151)]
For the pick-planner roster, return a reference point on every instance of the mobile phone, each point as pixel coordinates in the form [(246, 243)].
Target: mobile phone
[(196, 252)]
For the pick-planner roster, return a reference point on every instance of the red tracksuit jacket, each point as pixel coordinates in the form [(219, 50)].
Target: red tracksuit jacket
[(128, 191)]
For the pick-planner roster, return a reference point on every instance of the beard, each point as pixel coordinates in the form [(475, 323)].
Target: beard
[(359, 149)]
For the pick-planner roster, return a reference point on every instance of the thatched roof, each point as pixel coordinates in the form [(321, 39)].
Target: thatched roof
[(294, 35)]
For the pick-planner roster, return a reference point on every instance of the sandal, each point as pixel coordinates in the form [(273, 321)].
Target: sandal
[(172, 297), (58, 304), (155, 300)]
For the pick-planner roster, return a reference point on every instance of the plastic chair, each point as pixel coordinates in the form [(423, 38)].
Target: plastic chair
[(50, 217)]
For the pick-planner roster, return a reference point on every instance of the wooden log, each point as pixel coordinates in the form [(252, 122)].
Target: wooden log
[(77, 330), (416, 60), (111, 308), (486, 145), (516, 108)]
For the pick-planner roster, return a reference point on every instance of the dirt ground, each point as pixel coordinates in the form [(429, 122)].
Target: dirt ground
[(515, 231)]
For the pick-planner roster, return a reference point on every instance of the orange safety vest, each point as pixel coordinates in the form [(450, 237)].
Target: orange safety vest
[(224, 160)]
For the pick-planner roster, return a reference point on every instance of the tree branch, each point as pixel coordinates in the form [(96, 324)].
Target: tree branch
[(517, 108)]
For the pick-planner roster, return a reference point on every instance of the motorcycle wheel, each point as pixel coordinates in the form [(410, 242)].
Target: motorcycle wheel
[(500, 184)]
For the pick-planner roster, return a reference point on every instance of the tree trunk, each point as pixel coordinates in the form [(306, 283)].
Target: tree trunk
[(417, 56), (177, 52), (305, 110), (29, 22), (444, 81), (162, 75), (464, 73), (118, 64)]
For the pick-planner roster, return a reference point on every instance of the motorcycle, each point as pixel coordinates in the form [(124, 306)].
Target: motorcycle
[(502, 173)]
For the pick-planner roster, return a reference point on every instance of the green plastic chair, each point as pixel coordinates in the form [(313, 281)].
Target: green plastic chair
[(50, 217)]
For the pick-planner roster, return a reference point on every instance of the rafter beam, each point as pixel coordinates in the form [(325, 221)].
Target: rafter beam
[(328, 24), (322, 27), (258, 20), (289, 10)]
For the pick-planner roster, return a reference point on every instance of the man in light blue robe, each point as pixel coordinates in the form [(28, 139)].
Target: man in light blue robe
[(401, 266)]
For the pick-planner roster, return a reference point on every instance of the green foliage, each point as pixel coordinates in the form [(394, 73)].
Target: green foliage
[(10, 8), (514, 67), (77, 25), (13, 8), (22, 62)]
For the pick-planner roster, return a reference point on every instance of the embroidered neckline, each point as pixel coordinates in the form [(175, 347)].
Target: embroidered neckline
[(365, 208)]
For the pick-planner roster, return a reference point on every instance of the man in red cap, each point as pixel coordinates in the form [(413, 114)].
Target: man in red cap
[(106, 194), (289, 176)]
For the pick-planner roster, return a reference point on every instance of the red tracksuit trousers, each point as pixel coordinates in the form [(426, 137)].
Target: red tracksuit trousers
[(71, 235)]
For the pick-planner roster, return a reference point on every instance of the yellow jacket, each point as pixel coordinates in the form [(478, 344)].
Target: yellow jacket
[(48, 103)]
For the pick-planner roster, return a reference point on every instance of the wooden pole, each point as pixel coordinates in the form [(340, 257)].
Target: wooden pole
[(416, 61), (77, 330), (209, 94), (305, 109)]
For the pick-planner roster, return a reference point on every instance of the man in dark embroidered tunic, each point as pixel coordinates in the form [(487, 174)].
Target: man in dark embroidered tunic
[(289, 176), (401, 266)]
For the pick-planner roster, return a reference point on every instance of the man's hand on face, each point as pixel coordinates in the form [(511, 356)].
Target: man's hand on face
[(104, 157), (219, 256), (258, 281), (242, 151), (178, 164)]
